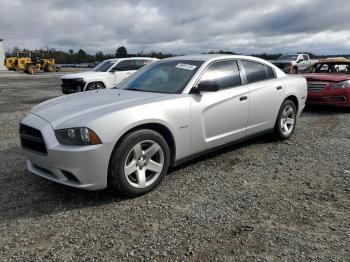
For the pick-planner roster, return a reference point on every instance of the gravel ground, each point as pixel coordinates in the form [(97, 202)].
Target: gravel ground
[(258, 201)]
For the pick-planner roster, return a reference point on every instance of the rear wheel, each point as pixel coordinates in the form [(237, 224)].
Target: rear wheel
[(31, 69), (95, 86), (139, 163), (286, 120)]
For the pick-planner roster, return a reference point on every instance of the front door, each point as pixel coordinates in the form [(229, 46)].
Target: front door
[(122, 70), (219, 117)]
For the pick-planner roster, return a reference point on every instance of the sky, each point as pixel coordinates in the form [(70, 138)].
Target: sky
[(178, 26)]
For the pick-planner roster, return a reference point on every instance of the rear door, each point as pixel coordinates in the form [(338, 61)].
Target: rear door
[(266, 95), (219, 117)]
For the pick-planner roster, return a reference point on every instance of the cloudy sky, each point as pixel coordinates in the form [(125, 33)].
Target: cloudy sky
[(179, 26)]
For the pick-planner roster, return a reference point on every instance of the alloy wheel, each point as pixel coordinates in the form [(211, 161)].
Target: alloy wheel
[(287, 120), (95, 86), (144, 164)]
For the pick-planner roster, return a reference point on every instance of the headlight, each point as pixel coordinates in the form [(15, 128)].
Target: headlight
[(77, 136), (344, 84)]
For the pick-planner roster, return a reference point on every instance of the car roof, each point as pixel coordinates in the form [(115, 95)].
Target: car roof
[(130, 58), (214, 57)]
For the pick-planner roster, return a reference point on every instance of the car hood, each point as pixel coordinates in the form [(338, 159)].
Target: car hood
[(327, 77), (85, 75), (90, 105)]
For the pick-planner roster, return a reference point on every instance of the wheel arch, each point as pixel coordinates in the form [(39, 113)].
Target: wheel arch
[(159, 128), (88, 82), (294, 99)]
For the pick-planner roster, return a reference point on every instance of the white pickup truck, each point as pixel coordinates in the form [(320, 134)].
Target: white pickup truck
[(294, 63), (107, 74)]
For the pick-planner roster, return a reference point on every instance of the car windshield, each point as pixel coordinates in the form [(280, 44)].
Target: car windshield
[(168, 77), (342, 68), (103, 66), (288, 57)]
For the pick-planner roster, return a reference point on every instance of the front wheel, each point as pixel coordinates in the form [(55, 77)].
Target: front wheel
[(286, 120), (95, 86), (31, 69), (139, 163)]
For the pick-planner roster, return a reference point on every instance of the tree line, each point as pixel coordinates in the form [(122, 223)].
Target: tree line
[(72, 57)]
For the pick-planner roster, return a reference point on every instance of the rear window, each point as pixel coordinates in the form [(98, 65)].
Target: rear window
[(255, 71)]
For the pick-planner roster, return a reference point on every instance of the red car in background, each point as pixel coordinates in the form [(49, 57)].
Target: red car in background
[(329, 83)]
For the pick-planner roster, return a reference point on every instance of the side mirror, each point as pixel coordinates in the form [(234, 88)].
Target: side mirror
[(113, 70), (207, 86)]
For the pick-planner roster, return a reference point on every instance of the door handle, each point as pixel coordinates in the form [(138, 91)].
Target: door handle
[(242, 98), (279, 87)]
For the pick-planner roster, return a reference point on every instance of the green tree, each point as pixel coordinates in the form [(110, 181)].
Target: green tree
[(99, 56), (121, 52)]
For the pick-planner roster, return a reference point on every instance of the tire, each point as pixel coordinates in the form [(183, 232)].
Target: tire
[(95, 86), (139, 163), (31, 69), (17, 69), (50, 68), (286, 120)]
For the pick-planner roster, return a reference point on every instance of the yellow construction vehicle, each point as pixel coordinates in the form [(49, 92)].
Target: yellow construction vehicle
[(22, 60), (37, 62), (12, 62), (30, 63)]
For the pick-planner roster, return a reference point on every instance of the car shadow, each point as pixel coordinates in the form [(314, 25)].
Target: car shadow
[(24, 195)]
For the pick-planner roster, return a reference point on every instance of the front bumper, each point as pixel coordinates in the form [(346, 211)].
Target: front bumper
[(70, 86), (84, 167), (330, 96)]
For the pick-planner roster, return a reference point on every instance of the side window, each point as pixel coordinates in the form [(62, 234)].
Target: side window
[(139, 63), (306, 58), (123, 66), (225, 74), (270, 72), (255, 71)]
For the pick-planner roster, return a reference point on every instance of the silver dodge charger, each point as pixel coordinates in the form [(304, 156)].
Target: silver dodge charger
[(166, 113)]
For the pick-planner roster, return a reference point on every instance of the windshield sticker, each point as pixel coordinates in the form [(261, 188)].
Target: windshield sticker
[(186, 66)]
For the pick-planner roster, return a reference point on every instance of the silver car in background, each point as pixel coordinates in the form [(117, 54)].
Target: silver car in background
[(166, 113)]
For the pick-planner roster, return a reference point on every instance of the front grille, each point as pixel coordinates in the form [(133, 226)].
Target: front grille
[(315, 86), (70, 86), (32, 139)]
